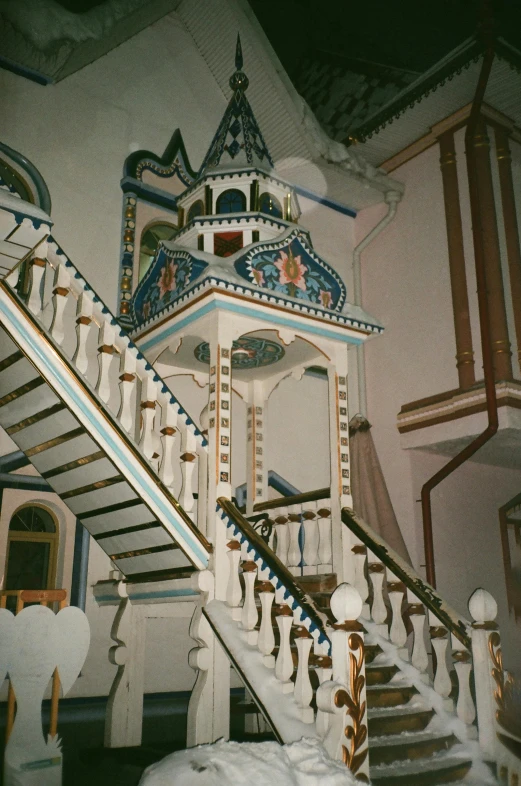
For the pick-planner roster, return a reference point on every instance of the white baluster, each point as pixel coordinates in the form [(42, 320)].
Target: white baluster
[(35, 294), (284, 662), (168, 430), (127, 386), (378, 607), (360, 581), (234, 589), (323, 672), (311, 538), (84, 325), (106, 352), (188, 457), (282, 537), (60, 294), (486, 655), (465, 709), (303, 689), (294, 554), (266, 640), (148, 414), (397, 631), (419, 656), (250, 615), (325, 549), (439, 640)]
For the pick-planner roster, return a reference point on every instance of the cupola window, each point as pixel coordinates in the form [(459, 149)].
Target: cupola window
[(197, 209), (270, 205), (231, 201)]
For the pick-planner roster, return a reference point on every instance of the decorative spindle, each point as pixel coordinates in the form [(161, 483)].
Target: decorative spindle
[(250, 615), (284, 662), (60, 294), (360, 582), (325, 550), (282, 538), (294, 525), (397, 631), (419, 656), (311, 538), (106, 352), (35, 294), (378, 607), (234, 589), (462, 658), (148, 414), (188, 457), (323, 671), (439, 639), (266, 640), (127, 386), (303, 689), (84, 326), (168, 431)]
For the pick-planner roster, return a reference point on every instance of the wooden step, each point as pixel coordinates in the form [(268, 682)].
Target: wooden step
[(321, 582), (424, 772), (389, 695), (398, 747), (397, 720), (379, 675)]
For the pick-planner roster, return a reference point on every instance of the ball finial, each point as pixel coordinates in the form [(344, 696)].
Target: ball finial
[(346, 603), (239, 80), (482, 606)]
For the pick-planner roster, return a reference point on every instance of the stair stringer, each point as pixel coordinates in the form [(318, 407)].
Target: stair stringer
[(71, 388)]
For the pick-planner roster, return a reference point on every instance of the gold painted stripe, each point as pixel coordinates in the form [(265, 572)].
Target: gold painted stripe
[(37, 418), (142, 552), (129, 503), (52, 443), (113, 533), (8, 361), (98, 484), (81, 462), (21, 391)]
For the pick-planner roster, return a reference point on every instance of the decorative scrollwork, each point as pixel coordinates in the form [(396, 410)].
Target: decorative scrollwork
[(356, 733), (504, 683), (263, 524)]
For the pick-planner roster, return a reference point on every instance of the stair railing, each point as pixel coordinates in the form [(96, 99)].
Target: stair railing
[(405, 611), (300, 531), (70, 313), (262, 589)]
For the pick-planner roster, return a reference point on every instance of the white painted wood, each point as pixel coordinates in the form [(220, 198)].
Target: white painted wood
[(311, 538), (250, 615), (168, 436), (294, 553), (188, 449), (282, 541), (148, 415), (84, 326), (127, 385), (465, 705), (234, 590), (397, 631), (360, 580), (266, 640), (303, 689), (325, 549), (105, 360), (378, 608), (59, 302), (419, 656), (35, 295), (284, 662), (442, 684), (33, 644), (483, 610)]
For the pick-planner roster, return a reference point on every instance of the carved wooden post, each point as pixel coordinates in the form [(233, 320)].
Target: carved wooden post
[(465, 709), (168, 430), (294, 525), (486, 655), (281, 523), (249, 614), (60, 294), (148, 414), (106, 351), (348, 654), (419, 655), (127, 386), (35, 295), (266, 640), (234, 591), (378, 607), (84, 326), (284, 661), (360, 580), (397, 630), (188, 457), (303, 689), (325, 548), (440, 642), (311, 538)]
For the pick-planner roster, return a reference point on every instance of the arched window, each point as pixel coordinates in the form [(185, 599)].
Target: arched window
[(150, 238), (197, 209), (32, 549), (231, 201), (270, 204)]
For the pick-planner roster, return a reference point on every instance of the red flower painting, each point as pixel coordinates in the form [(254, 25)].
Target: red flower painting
[(291, 270)]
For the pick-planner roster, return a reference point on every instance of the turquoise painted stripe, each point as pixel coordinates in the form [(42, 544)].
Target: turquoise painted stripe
[(173, 329), (138, 479), (152, 595)]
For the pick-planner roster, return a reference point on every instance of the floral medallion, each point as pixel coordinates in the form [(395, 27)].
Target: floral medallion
[(247, 352)]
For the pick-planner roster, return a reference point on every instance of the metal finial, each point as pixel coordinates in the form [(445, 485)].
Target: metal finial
[(238, 53)]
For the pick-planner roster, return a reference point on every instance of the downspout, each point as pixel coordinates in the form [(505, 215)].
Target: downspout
[(483, 306), (391, 198)]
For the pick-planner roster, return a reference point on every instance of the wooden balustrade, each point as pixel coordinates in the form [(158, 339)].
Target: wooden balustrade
[(140, 403)]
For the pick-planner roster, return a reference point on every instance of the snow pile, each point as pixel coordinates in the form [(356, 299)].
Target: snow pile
[(303, 763), (44, 22)]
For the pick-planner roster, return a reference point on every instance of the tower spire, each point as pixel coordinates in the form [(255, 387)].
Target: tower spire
[(238, 54)]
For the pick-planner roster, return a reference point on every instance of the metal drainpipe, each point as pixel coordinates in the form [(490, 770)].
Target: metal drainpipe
[(391, 198), (486, 344)]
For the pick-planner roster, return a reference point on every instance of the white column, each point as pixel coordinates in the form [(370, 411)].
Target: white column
[(256, 466)]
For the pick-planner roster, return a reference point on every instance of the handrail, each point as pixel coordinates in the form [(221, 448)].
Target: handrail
[(296, 499), (106, 414), (273, 563), (403, 571)]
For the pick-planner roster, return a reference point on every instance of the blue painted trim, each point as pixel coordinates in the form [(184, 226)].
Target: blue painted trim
[(28, 482), (273, 319), (131, 474), (175, 593), (28, 73), (331, 203), (275, 481), (15, 460), (80, 566), (150, 194)]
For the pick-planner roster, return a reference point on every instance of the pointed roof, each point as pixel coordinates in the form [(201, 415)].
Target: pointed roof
[(238, 141)]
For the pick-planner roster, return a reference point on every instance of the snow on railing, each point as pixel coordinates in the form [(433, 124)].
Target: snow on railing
[(80, 324)]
